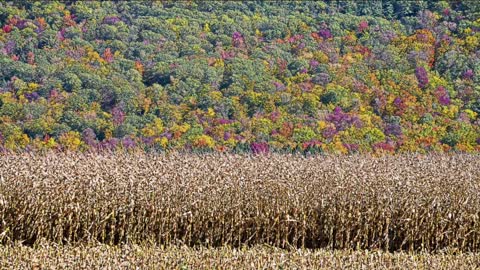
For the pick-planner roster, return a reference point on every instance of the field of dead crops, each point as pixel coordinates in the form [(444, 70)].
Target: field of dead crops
[(257, 257), (409, 203)]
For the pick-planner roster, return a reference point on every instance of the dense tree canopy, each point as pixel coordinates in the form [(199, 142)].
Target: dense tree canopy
[(310, 76)]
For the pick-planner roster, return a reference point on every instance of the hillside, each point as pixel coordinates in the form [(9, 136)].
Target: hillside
[(333, 77)]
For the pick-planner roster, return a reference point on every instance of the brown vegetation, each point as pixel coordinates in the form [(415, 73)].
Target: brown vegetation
[(258, 257), (412, 202)]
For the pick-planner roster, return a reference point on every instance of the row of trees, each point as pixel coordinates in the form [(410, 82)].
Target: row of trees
[(312, 76)]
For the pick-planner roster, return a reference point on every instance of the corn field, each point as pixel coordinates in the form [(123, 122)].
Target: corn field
[(257, 257), (411, 202)]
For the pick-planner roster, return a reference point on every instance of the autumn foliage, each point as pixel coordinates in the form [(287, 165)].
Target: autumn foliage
[(232, 76)]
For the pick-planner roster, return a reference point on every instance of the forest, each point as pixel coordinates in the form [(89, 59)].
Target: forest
[(336, 77)]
